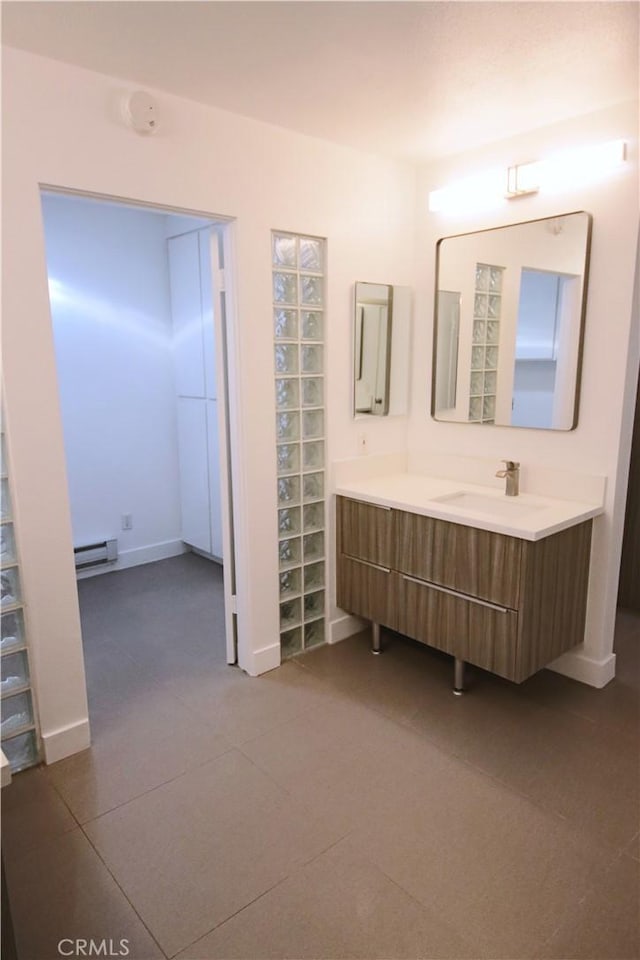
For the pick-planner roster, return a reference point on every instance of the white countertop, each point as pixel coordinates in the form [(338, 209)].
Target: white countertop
[(527, 516)]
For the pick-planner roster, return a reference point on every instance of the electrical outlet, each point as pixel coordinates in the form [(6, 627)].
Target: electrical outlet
[(127, 521), (362, 442)]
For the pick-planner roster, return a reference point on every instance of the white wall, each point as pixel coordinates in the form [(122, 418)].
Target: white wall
[(600, 443), (201, 160), (109, 292)]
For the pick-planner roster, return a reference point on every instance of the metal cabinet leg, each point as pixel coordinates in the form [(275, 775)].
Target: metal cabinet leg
[(458, 677), (375, 638)]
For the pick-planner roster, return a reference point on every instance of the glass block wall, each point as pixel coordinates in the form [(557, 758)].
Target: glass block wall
[(18, 725), (298, 323), (487, 309)]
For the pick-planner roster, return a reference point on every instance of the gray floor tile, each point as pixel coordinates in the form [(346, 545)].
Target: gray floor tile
[(195, 851), (32, 814), (337, 906), (62, 890), (606, 924)]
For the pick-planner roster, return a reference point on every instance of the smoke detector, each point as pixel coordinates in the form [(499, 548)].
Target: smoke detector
[(141, 112)]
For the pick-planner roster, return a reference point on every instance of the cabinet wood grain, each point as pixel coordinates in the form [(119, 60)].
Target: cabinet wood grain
[(364, 531), (366, 591), (476, 562), (469, 630)]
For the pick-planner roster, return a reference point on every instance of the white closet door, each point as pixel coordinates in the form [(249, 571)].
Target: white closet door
[(194, 473), (186, 310), (206, 238), (214, 478)]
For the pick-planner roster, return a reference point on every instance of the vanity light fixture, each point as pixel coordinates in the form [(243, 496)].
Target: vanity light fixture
[(555, 174)]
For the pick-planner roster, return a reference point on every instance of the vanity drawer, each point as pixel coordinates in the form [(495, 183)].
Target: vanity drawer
[(364, 531), (366, 590), (474, 562), (481, 633)]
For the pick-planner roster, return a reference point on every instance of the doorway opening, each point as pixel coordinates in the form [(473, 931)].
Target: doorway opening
[(139, 315)]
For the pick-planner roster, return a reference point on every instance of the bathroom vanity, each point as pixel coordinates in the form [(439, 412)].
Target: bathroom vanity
[(497, 582)]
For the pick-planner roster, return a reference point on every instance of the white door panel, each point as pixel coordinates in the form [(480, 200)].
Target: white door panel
[(194, 473), (213, 433), (186, 310)]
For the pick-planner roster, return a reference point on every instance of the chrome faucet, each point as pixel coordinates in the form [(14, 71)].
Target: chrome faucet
[(512, 474)]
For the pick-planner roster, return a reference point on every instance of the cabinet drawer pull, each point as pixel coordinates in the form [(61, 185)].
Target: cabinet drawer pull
[(368, 563), (456, 593)]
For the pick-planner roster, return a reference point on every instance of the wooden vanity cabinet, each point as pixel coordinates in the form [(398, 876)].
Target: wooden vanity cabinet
[(507, 605)]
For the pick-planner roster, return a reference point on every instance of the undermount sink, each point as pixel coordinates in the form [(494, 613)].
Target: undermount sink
[(502, 507)]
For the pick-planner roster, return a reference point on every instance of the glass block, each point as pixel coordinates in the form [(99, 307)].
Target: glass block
[(285, 324), (284, 250), (288, 456), (7, 544), (313, 516), (287, 393), (290, 613), (312, 486), (312, 455), (491, 359), (480, 305), (477, 382), (313, 633), (314, 576), (489, 408), (284, 288), (312, 391), (289, 552), (313, 546), (314, 605), (475, 408), (310, 254), (310, 290), (286, 357), (290, 642), (477, 358), (290, 583), (21, 752), (288, 521), (9, 587), (15, 672), (288, 490), (5, 500), (482, 276), (495, 305), (493, 331), (490, 381), (287, 425), (479, 331), (16, 713), (312, 360), (11, 630), (312, 325), (312, 424), (495, 279)]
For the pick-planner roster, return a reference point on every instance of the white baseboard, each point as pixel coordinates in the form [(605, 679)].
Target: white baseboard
[(578, 666), (345, 627), (64, 742), (263, 660), (136, 557)]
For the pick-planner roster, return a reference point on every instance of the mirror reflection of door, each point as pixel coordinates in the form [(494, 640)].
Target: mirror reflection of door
[(446, 376), (372, 348)]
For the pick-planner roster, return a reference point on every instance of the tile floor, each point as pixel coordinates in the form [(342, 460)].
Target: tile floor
[(344, 805)]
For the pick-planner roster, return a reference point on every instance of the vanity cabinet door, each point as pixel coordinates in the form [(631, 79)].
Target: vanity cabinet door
[(475, 562), (364, 531), (367, 591), (480, 633)]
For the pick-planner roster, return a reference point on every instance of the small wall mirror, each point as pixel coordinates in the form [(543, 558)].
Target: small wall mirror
[(509, 323), (381, 350)]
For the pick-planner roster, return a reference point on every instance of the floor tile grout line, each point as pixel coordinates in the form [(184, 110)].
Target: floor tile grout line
[(123, 892)]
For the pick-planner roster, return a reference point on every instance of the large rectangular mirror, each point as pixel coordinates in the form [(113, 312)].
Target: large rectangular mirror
[(381, 350), (509, 323)]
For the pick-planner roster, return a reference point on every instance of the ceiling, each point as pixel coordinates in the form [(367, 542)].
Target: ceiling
[(414, 80)]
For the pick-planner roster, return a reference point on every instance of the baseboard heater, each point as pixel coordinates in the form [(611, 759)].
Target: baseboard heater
[(96, 554)]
